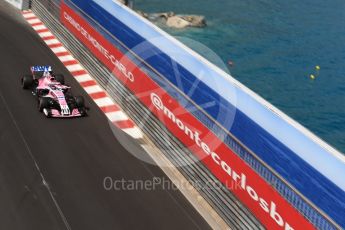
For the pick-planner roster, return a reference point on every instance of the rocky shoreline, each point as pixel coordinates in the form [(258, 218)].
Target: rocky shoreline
[(178, 21), (170, 19)]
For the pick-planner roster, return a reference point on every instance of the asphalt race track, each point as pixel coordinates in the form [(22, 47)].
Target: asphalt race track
[(73, 156)]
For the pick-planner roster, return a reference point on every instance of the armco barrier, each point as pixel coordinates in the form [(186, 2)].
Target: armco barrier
[(225, 159)]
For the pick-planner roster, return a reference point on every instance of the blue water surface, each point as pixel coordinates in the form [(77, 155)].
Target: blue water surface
[(275, 46)]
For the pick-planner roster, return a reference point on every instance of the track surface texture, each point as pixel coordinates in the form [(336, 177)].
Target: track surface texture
[(52, 170)]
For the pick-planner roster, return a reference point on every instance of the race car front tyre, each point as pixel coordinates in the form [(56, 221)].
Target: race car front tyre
[(79, 101), (43, 103), (82, 112), (60, 78), (47, 112), (27, 81)]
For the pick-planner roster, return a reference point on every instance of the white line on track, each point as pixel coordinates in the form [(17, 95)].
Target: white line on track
[(39, 27), (93, 89), (83, 78), (66, 58), (134, 132), (73, 68), (101, 102), (52, 41), (117, 116), (29, 15), (59, 49), (45, 34), (34, 20)]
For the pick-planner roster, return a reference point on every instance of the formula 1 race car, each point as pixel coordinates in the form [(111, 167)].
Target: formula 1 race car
[(54, 97)]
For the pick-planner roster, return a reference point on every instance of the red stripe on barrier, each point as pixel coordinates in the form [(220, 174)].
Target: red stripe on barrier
[(58, 53), (26, 12), (124, 124), (61, 54), (33, 17), (98, 95), (49, 38), (88, 83), (72, 62), (42, 30), (52, 46), (37, 24), (110, 108), (79, 72)]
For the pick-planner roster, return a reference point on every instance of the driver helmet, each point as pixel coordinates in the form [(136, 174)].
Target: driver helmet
[(48, 75)]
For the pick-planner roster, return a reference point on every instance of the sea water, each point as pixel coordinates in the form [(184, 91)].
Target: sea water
[(275, 46)]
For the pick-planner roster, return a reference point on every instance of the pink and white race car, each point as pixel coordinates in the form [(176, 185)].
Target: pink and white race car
[(54, 97)]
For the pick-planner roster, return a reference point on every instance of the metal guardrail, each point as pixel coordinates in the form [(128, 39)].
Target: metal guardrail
[(221, 199)]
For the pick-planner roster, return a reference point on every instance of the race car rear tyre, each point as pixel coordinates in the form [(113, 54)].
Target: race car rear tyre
[(43, 103), (60, 78), (27, 81), (47, 112), (79, 101)]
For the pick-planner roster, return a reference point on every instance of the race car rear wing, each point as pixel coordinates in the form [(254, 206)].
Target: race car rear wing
[(39, 68)]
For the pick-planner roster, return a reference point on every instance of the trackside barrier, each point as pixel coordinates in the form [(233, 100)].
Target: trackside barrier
[(267, 194)]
